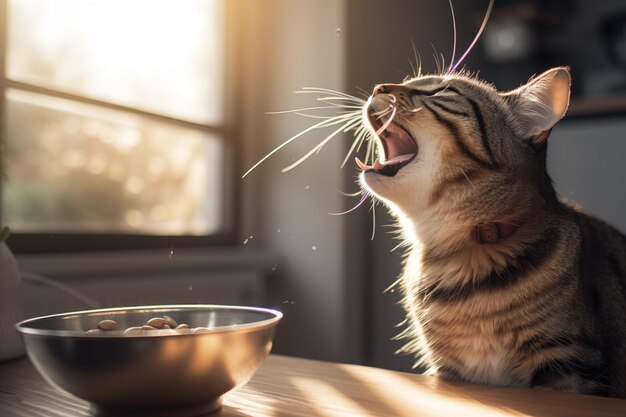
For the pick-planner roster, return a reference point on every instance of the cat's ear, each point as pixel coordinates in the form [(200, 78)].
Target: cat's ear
[(539, 104)]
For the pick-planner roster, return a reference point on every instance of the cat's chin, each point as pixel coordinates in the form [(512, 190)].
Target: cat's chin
[(400, 193), (382, 186)]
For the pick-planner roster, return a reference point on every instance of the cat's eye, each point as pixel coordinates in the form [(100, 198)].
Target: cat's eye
[(431, 92)]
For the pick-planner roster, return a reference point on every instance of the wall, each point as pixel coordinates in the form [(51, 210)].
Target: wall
[(288, 45), (586, 162)]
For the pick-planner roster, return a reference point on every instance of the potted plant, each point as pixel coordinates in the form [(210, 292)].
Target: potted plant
[(11, 345)]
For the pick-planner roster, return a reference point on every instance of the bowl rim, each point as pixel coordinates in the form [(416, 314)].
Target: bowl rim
[(257, 325)]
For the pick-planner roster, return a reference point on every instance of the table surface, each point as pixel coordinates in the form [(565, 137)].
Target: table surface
[(286, 386)]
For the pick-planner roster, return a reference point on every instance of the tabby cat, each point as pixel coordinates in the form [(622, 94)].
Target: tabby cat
[(504, 284)]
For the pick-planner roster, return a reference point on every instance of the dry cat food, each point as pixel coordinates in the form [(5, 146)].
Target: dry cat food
[(165, 324)]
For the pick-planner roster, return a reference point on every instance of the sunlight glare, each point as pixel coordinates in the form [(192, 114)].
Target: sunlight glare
[(410, 398), (114, 50), (319, 392)]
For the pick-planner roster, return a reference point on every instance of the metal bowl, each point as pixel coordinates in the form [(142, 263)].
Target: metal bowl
[(151, 374)]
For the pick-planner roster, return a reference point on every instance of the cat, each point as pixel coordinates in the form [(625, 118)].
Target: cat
[(503, 283)]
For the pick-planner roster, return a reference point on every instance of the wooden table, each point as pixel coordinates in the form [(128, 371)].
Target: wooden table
[(287, 386)]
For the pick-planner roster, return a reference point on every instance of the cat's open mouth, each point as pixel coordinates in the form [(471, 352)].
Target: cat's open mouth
[(398, 145)]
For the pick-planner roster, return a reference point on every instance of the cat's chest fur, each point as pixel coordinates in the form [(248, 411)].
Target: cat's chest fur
[(480, 352), (482, 330)]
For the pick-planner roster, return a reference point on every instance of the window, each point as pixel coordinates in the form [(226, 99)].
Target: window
[(114, 123)]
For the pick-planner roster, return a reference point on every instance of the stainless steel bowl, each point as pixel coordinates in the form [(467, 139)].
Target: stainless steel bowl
[(156, 375)]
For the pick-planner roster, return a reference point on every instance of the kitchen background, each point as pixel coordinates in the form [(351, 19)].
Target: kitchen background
[(123, 178)]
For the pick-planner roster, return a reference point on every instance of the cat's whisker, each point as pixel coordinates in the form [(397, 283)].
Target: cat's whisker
[(373, 209), (315, 116), (365, 138), (340, 105), (338, 102), (414, 110), (359, 136), (436, 57), (403, 322), (308, 109), (362, 139), (352, 125), (398, 246), (466, 177), (373, 150), (480, 31), (327, 90), (381, 113), (417, 72), (453, 36), (318, 90), (408, 77), (360, 192), (413, 67), (389, 288), (388, 122), (443, 62), (339, 98), (366, 95), (324, 123), (353, 208), (419, 65), (368, 152), (348, 125)]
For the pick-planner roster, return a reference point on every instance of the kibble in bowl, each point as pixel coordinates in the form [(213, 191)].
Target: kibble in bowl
[(162, 325), (154, 360)]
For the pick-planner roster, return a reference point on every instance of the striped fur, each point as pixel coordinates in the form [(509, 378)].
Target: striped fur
[(544, 307)]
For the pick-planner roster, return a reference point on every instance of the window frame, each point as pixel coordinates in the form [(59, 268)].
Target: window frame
[(226, 132)]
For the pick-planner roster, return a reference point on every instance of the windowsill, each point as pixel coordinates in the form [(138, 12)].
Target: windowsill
[(96, 264)]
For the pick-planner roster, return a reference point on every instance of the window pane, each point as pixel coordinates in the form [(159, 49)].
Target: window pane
[(75, 168), (162, 56)]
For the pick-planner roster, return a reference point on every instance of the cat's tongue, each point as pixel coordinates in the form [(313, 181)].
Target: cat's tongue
[(380, 165)]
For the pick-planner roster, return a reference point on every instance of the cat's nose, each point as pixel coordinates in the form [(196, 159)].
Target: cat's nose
[(394, 90), (380, 89)]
